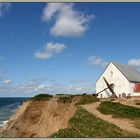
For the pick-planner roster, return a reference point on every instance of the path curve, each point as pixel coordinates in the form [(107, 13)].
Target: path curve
[(124, 124)]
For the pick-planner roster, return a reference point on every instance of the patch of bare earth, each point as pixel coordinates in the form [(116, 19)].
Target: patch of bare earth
[(124, 124), (40, 118)]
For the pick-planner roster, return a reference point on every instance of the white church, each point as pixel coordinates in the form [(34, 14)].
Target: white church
[(118, 80)]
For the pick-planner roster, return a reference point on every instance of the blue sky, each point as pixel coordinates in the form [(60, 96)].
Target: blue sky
[(64, 47)]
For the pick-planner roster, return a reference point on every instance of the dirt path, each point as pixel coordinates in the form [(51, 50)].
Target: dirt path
[(124, 124)]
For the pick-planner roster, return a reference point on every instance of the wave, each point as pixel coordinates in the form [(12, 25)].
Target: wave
[(2, 123), (7, 110), (10, 106)]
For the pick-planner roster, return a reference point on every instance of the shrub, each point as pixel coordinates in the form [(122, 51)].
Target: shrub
[(84, 94), (42, 97)]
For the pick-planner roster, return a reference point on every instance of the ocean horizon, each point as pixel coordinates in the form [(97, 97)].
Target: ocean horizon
[(8, 106)]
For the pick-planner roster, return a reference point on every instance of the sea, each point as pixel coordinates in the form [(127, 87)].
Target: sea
[(7, 107)]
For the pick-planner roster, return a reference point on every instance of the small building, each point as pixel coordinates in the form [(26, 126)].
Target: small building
[(125, 80)]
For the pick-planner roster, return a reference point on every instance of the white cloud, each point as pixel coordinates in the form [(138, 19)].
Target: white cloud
[(50, 10), (41, 87), (68, 89), (71, 89), (4, 7), (32, 88), (81, 81), (68, 21), (97, 61), (134, 62), (49, 50), (55, 88), (7, 82)]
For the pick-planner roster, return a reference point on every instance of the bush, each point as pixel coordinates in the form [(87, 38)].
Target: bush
[(84, 94), (42, 97)]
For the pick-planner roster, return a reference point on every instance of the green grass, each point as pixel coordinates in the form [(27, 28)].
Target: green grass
[(86, 125), (42, 97), (67, 133), (86, 99), (65, 99), (119, 110), (62, 95)]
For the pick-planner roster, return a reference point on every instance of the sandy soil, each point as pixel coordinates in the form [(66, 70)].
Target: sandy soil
[(124, 124), (40, 118)]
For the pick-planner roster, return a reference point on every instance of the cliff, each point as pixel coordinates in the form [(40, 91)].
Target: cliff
[(40, 118), (74, 116)]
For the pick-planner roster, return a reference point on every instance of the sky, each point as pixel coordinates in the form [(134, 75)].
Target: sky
[(64, 47)]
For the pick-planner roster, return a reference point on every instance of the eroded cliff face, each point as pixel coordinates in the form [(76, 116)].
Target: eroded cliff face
[(40, 118)]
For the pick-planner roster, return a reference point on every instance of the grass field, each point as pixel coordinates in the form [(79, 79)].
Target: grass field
[(86, 125), (65, 99), (119, 110), (86, 99)]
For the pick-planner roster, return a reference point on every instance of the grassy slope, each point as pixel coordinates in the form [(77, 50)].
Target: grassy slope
[(86, 99), (85, 124), (65, 99), (119, 110)]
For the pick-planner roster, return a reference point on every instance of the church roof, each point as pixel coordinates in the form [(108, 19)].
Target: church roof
[(129, 72)]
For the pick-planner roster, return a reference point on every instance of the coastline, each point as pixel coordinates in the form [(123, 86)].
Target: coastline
[(8, 110), (3, 123)]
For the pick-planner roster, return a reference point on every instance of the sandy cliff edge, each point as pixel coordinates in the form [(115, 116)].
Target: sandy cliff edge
[(39, 118)]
